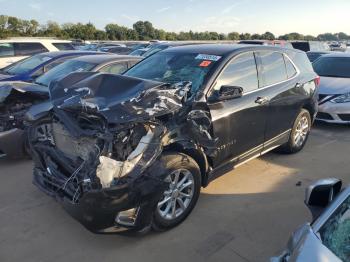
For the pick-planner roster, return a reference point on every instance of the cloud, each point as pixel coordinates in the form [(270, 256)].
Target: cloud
[(229, 8), (35, 6), (131, 18), (161, 10), (220, 24)]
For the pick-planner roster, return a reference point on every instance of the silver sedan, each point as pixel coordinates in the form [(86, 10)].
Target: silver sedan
[(327, 237), (334, 89)]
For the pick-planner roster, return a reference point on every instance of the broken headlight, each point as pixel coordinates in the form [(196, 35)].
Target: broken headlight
[(128, 148)]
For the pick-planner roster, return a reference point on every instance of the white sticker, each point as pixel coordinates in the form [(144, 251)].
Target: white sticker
[(208, 57)]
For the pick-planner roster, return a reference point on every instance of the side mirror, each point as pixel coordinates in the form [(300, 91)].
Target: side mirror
[(321, 194), (227, 92)]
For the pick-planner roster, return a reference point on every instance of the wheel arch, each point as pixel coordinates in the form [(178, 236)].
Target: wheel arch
[(192, 150)]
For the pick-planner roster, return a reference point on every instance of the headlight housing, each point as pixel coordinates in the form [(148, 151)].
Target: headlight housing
[(342, 99)]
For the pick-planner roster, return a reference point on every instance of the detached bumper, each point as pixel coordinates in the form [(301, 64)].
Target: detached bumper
[(12, 143), (98, 210)]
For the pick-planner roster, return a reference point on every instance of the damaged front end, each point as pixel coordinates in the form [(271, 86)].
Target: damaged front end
[(15, 100), (98, 150)]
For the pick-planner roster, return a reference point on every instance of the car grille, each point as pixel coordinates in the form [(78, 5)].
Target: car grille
[(344, 117), (325, 116)]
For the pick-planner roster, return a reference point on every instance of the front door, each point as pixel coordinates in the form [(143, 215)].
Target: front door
[(239, 123)]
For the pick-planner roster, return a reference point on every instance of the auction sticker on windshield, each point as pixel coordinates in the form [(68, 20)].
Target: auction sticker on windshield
[(208, 57)]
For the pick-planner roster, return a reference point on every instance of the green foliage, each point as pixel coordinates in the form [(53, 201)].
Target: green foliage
[(141, 30)]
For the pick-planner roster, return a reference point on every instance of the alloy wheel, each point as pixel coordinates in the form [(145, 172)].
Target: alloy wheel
[(177, 198), (301, 131)]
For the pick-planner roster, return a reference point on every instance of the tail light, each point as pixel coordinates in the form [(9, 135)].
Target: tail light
[(317, 81)]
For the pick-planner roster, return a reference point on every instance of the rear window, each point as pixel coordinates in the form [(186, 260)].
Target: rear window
[(273, 69), (63, 46), (26, 49), (28, 64), (333, 67), (6, 49), (291, 71)]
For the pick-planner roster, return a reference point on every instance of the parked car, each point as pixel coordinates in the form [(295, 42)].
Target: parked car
[(17, 97), (139, 52), (314, 55), (15, 49), (116, 50), (132, 151), (32, 67), (155, 48), (307, 46), (327, 237), (334, 90), (279, 43)]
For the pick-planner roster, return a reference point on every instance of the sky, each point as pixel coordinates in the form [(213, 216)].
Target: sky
[(224, 16)]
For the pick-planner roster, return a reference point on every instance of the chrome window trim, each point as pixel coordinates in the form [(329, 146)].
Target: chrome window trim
[(281, 82)]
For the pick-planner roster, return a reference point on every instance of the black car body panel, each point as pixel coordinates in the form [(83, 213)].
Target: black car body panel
[(121, 124)]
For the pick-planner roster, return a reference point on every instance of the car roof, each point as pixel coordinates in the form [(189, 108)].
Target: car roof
[(104, 58), (338, 54), (33, 40), (221, 49), (68, 52)]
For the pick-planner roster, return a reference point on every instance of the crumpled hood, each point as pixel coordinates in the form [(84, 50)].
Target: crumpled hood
[(334, 85), (118, 98), (7, 88)]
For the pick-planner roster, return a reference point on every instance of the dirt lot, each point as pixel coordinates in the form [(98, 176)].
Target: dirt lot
[(246, 215)]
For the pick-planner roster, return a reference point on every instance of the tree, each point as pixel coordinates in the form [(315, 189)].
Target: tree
[(144, 30), (233, 36), (268, 36), (256, 37), (245, 36)]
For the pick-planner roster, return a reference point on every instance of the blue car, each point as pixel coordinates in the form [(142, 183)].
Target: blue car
[(30, 68)]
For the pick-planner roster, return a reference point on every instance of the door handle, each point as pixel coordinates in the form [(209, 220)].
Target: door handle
[(262, 100)]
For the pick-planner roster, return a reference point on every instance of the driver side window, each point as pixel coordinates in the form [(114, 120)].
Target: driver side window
[(241, 72)]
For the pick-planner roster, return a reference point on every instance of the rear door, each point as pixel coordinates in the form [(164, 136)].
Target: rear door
[(239, 124), (279, 79)]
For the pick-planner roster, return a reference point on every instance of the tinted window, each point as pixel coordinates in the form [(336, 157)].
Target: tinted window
[(171, 67), (6, 49), (333, 66), (115, 68), (240, 72), (335, 232), (291, 71), (24, 49), (273, 69), (63, 46), (26, 65), (57, 62), (64, 69)]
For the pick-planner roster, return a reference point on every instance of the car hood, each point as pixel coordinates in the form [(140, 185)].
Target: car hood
[(334, 85), (4, 77), (118, 98), (8, 88)]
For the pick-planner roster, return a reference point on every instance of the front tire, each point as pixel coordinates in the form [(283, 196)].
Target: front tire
[(181, 196), (299, 134)]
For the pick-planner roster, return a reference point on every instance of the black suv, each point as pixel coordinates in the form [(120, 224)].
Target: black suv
[(132, 151)]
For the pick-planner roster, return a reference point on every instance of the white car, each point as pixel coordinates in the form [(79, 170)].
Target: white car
[(15, 49), (334, 89)]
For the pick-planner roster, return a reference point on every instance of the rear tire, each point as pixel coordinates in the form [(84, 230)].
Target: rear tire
[(299, 134), (181, 196)]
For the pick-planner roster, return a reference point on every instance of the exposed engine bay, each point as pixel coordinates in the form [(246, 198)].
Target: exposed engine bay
[(106, 130)]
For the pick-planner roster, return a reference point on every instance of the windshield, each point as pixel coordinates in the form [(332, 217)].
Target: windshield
[(64, 69), (154, 50), (26, 65), (333, 66), (174, 67)]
